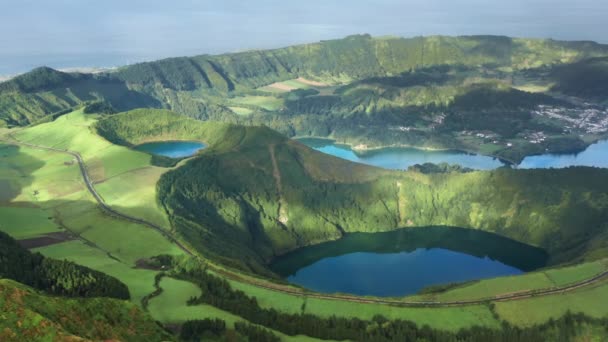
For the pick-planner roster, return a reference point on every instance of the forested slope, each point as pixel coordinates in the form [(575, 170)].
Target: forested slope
[(200, 86), (28, 315), (268, 207), (254, 194), (63, 278)]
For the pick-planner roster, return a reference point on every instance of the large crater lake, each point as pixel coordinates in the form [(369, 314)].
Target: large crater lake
[(172, 149), (402, 158), (404, 261)]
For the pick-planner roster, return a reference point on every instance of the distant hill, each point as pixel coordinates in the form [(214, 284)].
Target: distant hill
[(422, 91), (44, 91)]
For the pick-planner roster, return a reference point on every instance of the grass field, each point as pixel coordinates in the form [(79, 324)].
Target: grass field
[(124, 177), (442, 318), (591, 301), (491, 287), (271, 299), (140, 282), (286, 86), (26, 223), (531, 281), (49, 196), (241, 110), (450, 318), (270, 103), (170, 307), (569, 275)]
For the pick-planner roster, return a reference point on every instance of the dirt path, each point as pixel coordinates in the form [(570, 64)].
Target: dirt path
[(303, 293)]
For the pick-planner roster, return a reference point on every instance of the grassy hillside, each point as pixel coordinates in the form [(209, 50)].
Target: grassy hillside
[(32, 316), (56, 277), (423, 91), (31, 97), (353, 57), (254, 194)]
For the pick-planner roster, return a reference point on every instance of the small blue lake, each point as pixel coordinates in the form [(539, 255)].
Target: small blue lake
[(405, 261), (172, 149)]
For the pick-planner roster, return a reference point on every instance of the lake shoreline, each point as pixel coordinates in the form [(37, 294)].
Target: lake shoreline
[(410, 245), (362, 151)]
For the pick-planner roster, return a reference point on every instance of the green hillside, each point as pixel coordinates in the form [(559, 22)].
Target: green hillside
[(119, 238), (426, 90), (28, 315), (254, 194), (63, 278)]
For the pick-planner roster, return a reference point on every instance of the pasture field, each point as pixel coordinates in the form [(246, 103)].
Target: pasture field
[(526, 282), (122, 176), (270, 103), (170, 307), (590, 301), (450, 318), (286, 86), (492, 287), (27, 223), (272, 299), (140, 282), (51, 196), (137, 195), (241, 110), (569, 275)]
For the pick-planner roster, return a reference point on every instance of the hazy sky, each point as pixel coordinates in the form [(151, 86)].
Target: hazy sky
[(64, 33)]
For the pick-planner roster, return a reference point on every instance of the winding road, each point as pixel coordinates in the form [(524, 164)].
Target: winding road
[(300, 292)]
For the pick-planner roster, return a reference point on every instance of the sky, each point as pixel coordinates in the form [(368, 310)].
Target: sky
[(105, 33)]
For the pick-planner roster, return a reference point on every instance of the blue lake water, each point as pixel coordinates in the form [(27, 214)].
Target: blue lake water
[(172, 149), (402, 158), (595, 155), (403, 262)]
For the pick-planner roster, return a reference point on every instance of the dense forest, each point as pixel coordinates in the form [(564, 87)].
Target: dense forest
[(63, 278)]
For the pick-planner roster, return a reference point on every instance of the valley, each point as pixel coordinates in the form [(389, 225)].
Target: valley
[(180, 180), (104, 256)]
